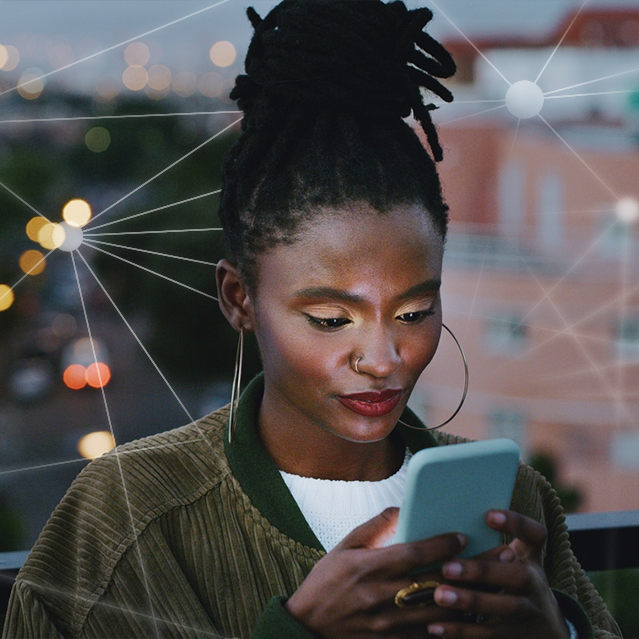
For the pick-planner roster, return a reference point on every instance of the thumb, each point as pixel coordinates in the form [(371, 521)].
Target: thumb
[(373, 533)]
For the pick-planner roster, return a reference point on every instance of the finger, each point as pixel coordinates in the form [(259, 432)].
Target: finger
[(499, 553), (484, 603), (413, 557), (466, 630), (373, 533), (530, 534), (514, 576)]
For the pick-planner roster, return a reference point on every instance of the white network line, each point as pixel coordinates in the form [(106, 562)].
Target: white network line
[(115, 46), (153, 232), (6, 188), (197, 148), (159, 208), (579, 157), (146, 352), (583, 4), (133, 248), (115, 117), (117, 456), (148, 270)]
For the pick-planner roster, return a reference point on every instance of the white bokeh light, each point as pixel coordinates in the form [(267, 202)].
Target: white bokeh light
[(67, 237), (524, 99), (627, 210)]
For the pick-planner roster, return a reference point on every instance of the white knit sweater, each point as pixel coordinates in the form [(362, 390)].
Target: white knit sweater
[(334, 508)]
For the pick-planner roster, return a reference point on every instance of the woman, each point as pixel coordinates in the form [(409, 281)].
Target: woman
[(335, 227)]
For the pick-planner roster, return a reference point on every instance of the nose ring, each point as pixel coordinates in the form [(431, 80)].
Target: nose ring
[(355, 365)]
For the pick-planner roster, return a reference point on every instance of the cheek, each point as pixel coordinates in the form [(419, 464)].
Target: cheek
[(298, 354), (423, 349)]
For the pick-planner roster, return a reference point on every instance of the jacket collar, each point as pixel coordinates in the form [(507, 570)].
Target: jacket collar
[(260, 478)]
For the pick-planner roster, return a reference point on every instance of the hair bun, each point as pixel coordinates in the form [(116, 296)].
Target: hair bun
[(362, 56)]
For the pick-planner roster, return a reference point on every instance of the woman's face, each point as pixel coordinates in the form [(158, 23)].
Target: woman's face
[(357, 289)]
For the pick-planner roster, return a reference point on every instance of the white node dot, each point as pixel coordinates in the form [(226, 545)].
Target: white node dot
[(67, 237), (524, 99), (627, 210)]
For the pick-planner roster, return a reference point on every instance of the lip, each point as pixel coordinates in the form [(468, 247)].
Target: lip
[(372, 404)]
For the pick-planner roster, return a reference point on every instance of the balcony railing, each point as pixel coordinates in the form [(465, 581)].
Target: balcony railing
[(601, 541)]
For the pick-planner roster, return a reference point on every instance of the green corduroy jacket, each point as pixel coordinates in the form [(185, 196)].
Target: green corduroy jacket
[(181, 535)]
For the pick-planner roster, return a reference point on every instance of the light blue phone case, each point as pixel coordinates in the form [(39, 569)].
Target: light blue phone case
[(451, 488)]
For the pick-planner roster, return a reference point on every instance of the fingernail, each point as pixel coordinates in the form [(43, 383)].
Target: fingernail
[(446, 596), (507, 556), (463, 540), (497, 518), (453, 569), (436, 630)]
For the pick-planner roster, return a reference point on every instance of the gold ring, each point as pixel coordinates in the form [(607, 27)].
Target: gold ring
[(418, 594)]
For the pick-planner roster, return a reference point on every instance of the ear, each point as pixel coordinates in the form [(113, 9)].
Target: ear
[(233, 296)]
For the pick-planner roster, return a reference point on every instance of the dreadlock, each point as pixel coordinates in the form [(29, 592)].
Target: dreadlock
[(326, 87)]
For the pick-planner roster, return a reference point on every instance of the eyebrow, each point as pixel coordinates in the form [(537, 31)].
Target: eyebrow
[(326, 292)]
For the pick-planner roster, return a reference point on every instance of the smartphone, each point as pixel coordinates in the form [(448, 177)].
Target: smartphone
[(451, 488)]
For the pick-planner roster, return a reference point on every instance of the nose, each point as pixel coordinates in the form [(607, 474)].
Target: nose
[(378, 354)]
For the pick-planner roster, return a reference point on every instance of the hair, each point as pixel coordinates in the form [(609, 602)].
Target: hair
[(327, 85)]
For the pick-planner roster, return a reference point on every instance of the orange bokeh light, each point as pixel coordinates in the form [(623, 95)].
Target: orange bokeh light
[(98, 375), (75, 376)]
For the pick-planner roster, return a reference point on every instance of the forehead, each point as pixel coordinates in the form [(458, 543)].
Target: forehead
[(359, 249)]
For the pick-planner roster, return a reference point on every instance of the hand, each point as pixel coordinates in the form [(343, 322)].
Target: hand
[(521, 605), (350, 593)]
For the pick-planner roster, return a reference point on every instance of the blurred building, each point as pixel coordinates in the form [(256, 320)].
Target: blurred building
[(541, 286)]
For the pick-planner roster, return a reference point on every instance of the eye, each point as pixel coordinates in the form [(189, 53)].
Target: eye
[(415, 316), (328, 322)]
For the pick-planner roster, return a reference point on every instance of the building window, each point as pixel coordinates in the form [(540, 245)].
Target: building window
[(616, 240), (512, 209), (550, 211), (506, 334), (627, 338), (509, 422), (624, 450)]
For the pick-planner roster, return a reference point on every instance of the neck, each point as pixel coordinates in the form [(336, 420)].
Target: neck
[(300, 447)]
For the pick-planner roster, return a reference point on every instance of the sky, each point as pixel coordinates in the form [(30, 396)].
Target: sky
[(92, 25)]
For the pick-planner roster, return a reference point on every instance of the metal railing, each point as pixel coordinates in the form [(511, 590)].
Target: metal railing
[(601, 541)]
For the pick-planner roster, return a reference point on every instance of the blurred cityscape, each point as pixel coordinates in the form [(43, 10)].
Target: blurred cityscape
[(541, 277)]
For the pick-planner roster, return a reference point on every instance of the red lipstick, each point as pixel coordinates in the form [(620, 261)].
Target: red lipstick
[(372, 404)]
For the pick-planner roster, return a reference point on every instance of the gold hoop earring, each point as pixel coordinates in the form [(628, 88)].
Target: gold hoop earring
[(463, 398), (237, 382)]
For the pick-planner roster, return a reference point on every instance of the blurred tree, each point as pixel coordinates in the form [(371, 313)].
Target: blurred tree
[(571, 497), (620, 588)]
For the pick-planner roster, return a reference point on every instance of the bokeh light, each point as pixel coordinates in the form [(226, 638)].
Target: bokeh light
[(223, 53), (75, 376), (107, 87), (135, 77), (98, 375), (137, 54), (97, 139), (45, 236), (6, 297), (76, 212), (96, 444), (67, 237), (524, 99), (211, 84), (10, 58), (64, 326), (61, 56), (32, 262), (159, 77), (627, 210), (31, 84), (184, 83), (34, 226)]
